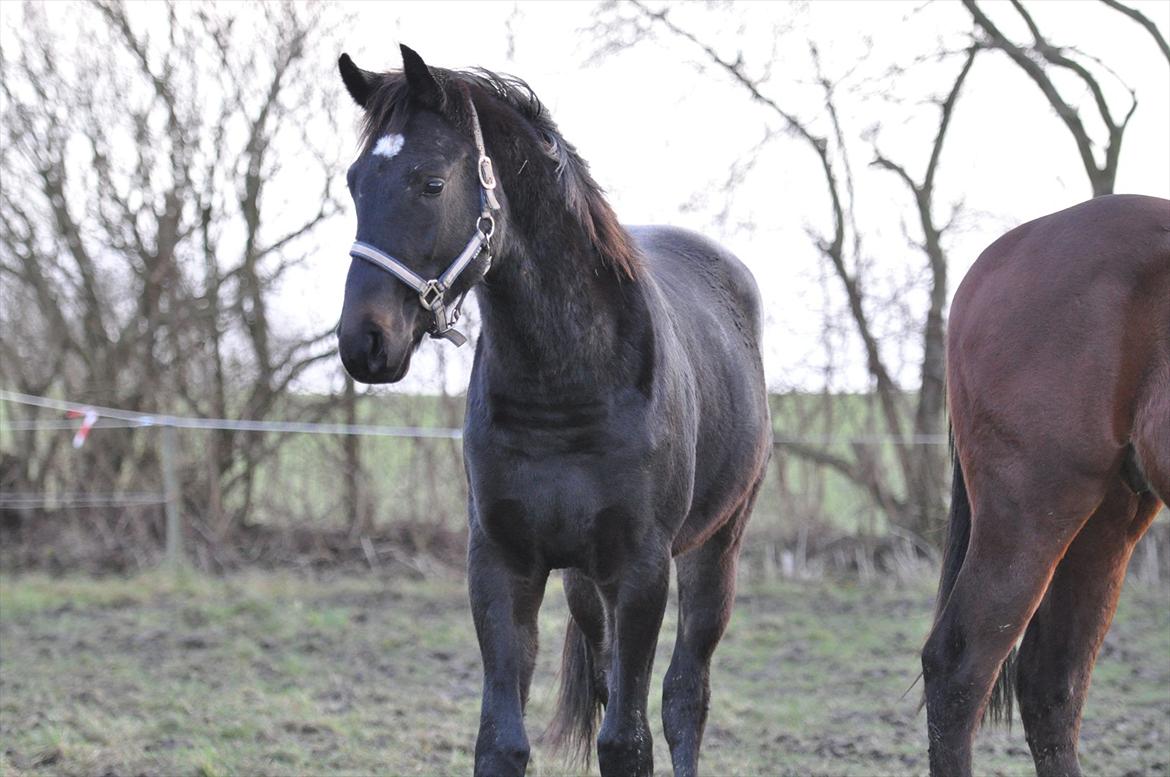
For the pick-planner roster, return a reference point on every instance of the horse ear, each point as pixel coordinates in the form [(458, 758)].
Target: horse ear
[(359, 83), (419, 78)]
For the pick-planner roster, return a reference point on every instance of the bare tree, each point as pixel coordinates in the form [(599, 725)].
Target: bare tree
[(1145, 22), (1039, 58), (912, 494), (925, 471), (907, 482), (356, 486), (160, 181)]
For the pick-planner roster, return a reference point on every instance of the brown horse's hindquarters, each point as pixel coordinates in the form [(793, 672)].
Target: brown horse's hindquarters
[(1058, 363)]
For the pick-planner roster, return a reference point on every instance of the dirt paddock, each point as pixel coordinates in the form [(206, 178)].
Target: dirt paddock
[(275, 673)]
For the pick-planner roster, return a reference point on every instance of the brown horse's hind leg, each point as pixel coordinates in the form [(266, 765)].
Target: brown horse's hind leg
[(1018, 534), (1062, 640), (1151, 438), (706, 592)]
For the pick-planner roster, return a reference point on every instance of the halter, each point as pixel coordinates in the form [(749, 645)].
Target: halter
[(432, 293)]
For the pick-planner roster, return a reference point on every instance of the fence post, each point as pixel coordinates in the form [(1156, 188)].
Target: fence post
[(170, 455)]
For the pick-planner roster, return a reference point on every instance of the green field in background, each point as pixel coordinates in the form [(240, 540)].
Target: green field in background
[(423, 479)]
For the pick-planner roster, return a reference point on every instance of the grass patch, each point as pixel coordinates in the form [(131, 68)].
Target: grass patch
[(282, 674)]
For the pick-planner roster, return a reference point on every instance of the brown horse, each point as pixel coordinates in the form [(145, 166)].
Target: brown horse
[(1058, 371)]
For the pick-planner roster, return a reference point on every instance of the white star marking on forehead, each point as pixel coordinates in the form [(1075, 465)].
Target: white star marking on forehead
[(389, 146)]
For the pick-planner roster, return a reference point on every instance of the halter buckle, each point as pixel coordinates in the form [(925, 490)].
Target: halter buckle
[(487, 175)]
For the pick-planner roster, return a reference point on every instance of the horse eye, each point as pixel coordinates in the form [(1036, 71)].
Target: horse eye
[(433, 187)]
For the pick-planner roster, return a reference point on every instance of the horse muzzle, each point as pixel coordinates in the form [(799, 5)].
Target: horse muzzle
[(375, 353)]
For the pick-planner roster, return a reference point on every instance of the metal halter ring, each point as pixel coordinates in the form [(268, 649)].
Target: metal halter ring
[(491, 225)]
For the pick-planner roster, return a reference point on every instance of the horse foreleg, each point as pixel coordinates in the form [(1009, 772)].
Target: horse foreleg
[(504, 605), (1061, 644), (624, 744), (706, 592)]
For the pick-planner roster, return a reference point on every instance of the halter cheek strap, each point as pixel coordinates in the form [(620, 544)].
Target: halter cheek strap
[(432, 293)]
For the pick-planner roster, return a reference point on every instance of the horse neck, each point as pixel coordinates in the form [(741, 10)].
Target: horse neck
[(551, 313)]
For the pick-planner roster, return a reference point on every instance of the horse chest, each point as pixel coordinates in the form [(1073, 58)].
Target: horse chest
[(560, 508)]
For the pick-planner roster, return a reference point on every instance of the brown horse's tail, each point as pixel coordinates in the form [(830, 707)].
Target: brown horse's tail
[(958, 536), (999, 707), (578, 701)]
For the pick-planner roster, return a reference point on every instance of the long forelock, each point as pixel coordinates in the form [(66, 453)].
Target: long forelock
[(388, 110)]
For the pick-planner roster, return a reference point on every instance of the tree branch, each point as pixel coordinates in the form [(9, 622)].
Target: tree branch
[(1144, 21)]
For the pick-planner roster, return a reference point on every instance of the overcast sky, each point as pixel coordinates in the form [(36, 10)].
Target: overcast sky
[(662, 134)]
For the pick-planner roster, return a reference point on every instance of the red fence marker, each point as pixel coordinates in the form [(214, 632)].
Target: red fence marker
[(88, 420)]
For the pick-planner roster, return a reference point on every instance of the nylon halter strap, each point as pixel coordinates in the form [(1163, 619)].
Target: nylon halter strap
[(432, 294)]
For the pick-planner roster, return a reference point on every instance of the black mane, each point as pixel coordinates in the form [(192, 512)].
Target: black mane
[(521, 138)]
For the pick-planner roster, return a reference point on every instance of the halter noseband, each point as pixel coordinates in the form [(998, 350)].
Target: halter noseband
[(432, 293)]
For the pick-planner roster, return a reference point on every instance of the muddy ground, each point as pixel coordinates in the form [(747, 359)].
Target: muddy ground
[(276, 673)]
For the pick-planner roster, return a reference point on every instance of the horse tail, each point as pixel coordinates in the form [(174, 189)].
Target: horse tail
[(578, 700), (999, 706), (958, 537)]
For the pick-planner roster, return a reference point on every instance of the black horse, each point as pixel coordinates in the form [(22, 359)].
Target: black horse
[(616, 416)]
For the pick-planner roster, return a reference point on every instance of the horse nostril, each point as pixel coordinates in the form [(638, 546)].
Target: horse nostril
[(375, 352)]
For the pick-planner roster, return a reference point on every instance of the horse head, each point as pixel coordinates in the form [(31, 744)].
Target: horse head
[(427, 209)]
